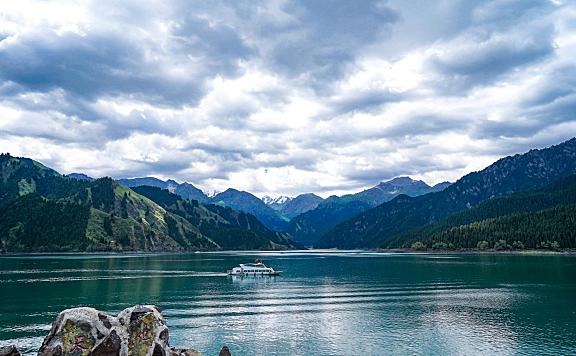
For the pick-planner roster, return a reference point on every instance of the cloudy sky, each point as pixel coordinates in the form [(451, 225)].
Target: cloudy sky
[(283, 97)]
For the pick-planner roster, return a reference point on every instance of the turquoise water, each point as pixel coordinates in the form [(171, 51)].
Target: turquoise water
[(346, 303)]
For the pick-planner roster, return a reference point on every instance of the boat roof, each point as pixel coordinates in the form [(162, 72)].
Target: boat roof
[(252, 264)]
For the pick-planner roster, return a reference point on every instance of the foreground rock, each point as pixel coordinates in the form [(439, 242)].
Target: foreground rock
[(9, 351), (136, 331), (225, 351)]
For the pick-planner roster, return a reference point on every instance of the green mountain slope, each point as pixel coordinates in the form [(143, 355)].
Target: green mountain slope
[(229, 228), (531, 217), (376, 226), (41, 210)]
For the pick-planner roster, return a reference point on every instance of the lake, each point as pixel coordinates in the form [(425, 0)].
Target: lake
[(325, 303)]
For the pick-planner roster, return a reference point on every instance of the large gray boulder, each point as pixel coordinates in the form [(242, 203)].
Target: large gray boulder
[(136, 331)]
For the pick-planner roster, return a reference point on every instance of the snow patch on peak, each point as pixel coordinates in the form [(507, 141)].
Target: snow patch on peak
[(267, 199), (212, 193), (280, 200)]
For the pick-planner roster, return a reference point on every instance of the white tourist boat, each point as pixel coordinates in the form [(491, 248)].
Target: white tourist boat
[(253, 269)]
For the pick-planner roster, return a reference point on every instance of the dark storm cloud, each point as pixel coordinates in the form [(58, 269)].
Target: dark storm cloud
[(102, 65), (322, 41), (127, 58), (93, 66), (158, 167), (560, 82), (364, 101), (551, 102), (500, 15), (311, 40), (221, 44), (79, 120), (427, 125), (487, 59), (64, 102), (533, 120), (562, 109)]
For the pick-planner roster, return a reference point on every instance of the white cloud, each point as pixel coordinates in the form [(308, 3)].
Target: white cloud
[(284, 97)]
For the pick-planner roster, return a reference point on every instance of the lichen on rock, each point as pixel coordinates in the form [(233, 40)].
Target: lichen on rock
[(136, 331)]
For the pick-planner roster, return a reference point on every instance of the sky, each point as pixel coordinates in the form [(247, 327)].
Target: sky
[(284, 97)]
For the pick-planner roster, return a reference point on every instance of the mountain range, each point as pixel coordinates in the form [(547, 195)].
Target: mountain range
[(308, 227), (378, 226), (526, 200), (41, 210), (238, 200), (277, 213)]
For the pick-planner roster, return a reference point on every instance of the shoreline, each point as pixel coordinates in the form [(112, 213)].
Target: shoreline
[(487, 252), (528, 252)]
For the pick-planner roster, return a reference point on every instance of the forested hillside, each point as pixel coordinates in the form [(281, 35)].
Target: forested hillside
[(377, 226), (530, 219)]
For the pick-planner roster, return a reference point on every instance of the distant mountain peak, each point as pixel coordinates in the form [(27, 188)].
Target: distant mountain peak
[(233, 190), (403, 181), (308, 195), (172, 185), (400, 180)]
